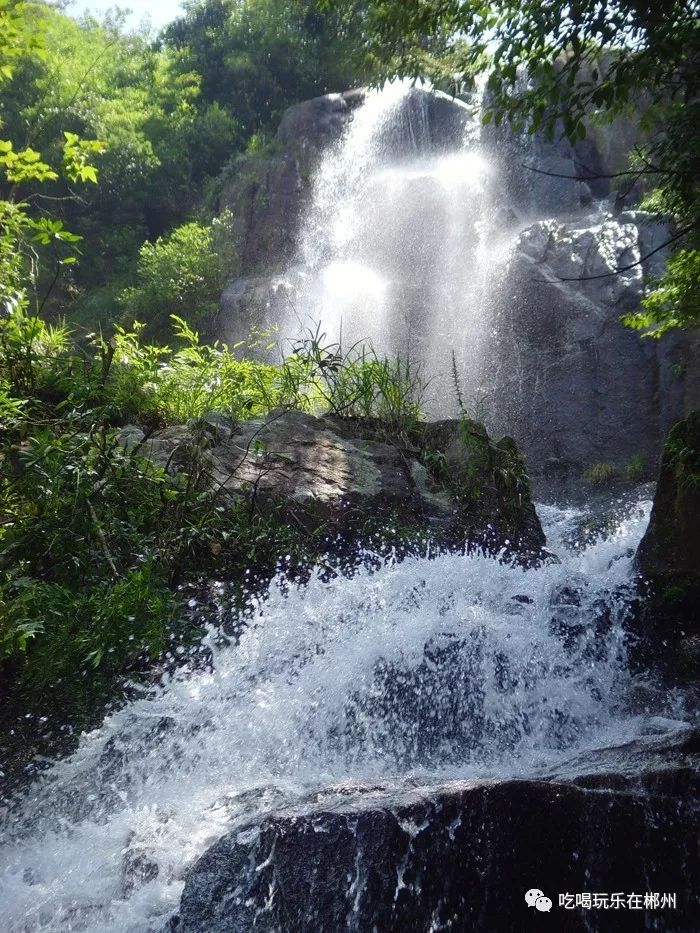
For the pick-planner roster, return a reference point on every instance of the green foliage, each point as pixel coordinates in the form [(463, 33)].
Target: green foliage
[(635, 470), (354, 383), (260, 146), (89, 539), (158, 384), (100, 632), (682, 455), (600, 474), (33, 355), (181, 274), (27, 234), (257, 57), (675, 301), (18, 38), (160, 144), (96, 530), (435, 462)]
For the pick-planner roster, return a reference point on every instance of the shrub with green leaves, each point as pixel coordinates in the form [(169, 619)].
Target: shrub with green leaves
[(353, 383), (182, 273), (635, 470), (674, 299), (90, 537), (165, 385), (66, 635)]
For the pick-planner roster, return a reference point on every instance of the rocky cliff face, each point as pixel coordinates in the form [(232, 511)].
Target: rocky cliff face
[(562, 373), (581, 387), (266, 195)]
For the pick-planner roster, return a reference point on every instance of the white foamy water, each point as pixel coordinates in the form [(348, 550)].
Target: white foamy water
[(422, 670), (400, 245)]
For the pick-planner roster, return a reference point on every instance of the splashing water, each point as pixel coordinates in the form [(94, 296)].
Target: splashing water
[(459, 665)]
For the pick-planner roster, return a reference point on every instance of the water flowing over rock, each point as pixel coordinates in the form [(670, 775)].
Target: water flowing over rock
[(460, 859), (417, 229), (409, 744), (580, 386), (457, 723)]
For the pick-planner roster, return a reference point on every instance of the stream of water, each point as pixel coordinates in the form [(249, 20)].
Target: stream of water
[(451, 665)]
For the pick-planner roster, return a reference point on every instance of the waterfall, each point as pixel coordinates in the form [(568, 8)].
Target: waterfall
[(399, 245), (439, 666)]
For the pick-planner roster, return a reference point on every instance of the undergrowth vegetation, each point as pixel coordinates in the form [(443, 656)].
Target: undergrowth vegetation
[(95, 534)]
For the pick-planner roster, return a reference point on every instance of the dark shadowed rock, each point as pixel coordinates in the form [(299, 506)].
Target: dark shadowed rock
[(266, 195), (671, 546), (669, 555), (461, 857)]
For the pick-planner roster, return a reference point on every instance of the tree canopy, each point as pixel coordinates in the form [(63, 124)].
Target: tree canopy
[(170, 110)]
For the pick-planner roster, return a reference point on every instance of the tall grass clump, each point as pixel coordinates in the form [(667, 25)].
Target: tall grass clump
[(355, 383)]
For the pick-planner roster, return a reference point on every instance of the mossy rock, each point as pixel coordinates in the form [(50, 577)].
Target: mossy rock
[(669, 557), (671, 546)]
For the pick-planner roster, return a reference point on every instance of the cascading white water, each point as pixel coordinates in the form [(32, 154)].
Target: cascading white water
[(399, 244), (459, 665)]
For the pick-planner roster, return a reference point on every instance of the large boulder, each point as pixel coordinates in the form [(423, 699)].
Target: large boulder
[(550, 176), (250, 302), (266, 194), (462, 857), (576, 386), (447, 479), (670, 548)]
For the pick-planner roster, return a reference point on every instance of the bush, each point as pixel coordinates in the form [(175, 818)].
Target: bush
[(635, 470), (356, 383), (182, 274), (159, 384), (65, 634)]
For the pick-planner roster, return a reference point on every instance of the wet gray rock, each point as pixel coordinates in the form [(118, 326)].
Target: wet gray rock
[(314, 471), (575, 384), (462, 856), (255, 301)]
